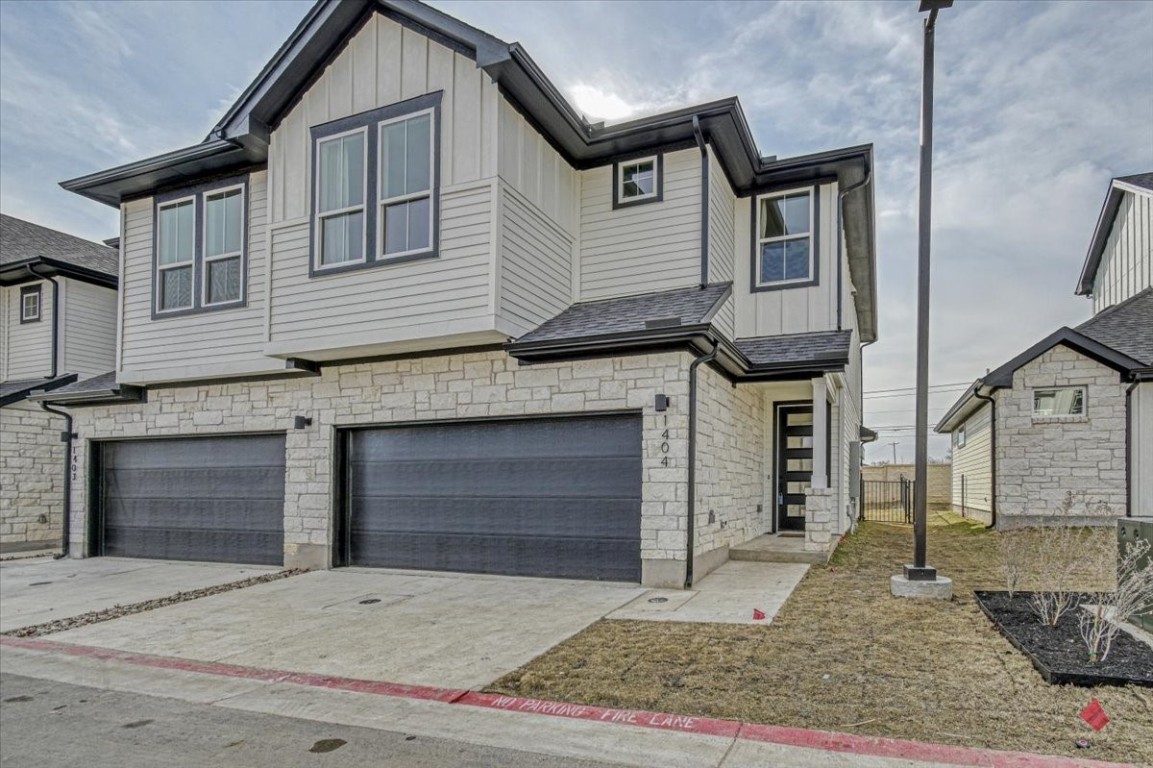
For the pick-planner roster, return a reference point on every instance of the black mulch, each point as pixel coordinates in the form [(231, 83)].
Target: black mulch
[(1059, 653)]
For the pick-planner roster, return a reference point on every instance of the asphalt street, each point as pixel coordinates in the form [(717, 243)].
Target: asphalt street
[(46, 724)]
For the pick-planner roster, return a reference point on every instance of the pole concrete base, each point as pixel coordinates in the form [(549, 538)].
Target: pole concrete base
[(940, 588)]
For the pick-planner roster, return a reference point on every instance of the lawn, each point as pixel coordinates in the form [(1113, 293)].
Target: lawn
[(843, 655)]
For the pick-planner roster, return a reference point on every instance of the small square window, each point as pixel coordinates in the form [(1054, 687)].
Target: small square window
[(637, 181), (1058, 401), (30, 304), (959, 437)]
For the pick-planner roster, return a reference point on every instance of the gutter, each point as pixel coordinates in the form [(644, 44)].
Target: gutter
[(840, 238), (68, 435), (992, 455), (690, 528), (702, 145), (55, 317)]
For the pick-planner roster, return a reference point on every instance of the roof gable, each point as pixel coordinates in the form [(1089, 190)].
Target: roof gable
[(1137, 184)]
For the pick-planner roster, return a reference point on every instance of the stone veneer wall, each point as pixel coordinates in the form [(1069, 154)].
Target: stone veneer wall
[(730, 467), (31, 478), (478, 384), (1040, 461)]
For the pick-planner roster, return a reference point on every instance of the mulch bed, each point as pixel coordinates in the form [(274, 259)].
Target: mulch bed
[(1059, 653)]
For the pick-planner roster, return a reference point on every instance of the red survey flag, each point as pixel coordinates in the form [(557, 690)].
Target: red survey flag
[(758, 614), (1094, 715)]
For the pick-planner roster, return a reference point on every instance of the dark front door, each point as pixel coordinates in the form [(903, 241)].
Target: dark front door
[(794, 465), (532, 497)]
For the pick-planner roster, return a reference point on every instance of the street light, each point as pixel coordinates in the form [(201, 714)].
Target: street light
[(919, 579)]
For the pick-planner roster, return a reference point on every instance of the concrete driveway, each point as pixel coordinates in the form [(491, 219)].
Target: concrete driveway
[(36, 591), (448, 630)]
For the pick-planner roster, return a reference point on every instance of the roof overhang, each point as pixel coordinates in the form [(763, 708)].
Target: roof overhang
[(119, 393), (1117, 191), (25, 392), (37, 267)]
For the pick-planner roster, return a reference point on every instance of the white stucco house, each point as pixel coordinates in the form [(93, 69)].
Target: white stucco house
[(404, 307), (1074, 412), (57, 325)]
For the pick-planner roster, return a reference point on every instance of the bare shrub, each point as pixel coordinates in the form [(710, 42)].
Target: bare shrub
[(1134, 594)]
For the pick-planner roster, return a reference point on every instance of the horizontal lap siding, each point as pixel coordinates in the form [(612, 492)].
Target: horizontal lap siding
[(454, 286), (535, 263), (1127, 262), (208, 339), (973, 462), (89, 329), (385, 63), (29, 345), (722, 240), (649, 247)]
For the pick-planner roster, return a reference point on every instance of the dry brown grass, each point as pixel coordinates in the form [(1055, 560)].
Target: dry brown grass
[(843, 655)]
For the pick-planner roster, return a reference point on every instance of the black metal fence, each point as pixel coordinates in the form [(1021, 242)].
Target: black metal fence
[(887, 501)]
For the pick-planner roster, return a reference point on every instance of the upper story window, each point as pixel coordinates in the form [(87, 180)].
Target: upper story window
[(200, 248), (376, 199), (959, 437), (638, 181), (785, 240), (1058, 401), (30, 304)]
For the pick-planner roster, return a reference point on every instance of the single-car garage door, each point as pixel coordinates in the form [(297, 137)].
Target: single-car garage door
[(532, 497), (217, 499)]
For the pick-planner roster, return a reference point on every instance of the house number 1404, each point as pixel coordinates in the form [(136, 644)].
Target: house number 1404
[(665, 444)]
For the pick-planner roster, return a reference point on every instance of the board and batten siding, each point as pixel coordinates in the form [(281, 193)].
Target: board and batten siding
[(1141, 451), (535, 263), (28, 346), (88, 328), (642, 248), (972, 464), (530, 165), (722, 241), (404, 302), (1127, 262), (788, 310), (210, 343), (385, 63)]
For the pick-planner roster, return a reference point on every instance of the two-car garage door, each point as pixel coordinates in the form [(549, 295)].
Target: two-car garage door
[(534, 497)]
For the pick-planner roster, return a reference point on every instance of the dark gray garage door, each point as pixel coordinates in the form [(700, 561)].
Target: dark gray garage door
[(540, 497), (218, 499)]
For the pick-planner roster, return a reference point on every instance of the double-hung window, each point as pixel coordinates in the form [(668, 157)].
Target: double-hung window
[(200, 245), (785, 238), (30, 304), (376, 190)]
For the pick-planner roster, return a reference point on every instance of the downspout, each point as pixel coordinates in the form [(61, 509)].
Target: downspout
[(1129, 447), (68, 435), (55, 316), (702, 145), (840, 237), (690, 528), (992, 455)]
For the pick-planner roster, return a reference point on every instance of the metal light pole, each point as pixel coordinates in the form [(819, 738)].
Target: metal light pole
[(920, 570)]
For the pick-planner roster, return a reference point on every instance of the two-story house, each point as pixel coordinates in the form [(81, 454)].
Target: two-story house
[(1074, 412), (57, 324), (404, 307)]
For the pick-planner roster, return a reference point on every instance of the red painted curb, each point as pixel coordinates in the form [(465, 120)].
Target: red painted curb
[(795, 737)]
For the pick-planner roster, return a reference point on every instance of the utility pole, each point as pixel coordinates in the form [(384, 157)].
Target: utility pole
[(919, 579), (894, 445)]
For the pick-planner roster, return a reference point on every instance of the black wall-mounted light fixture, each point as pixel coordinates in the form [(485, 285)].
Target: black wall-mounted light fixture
[(661, 402), (300, 422)]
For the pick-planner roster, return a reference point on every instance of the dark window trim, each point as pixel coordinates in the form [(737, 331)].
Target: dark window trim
[(659, 169), (28, 291), (198, 193), (815, 237), (370, 121)]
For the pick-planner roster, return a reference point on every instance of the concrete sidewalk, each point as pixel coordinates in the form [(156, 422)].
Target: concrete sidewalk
[(560, 730)]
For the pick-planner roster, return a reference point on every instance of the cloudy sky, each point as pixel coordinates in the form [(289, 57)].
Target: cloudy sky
[(1038, 106)]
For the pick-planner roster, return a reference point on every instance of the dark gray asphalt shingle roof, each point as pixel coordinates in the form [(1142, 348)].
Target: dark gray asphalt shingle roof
[(101, 383), (819, 346), (17, 389), (1143, 180), (629, 314), (1126, 327), (21, 240)]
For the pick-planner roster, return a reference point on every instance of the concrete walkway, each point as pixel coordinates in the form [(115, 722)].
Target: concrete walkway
[(37, 591)]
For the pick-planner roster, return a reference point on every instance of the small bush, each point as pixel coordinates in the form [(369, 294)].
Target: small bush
[(1134, 594)]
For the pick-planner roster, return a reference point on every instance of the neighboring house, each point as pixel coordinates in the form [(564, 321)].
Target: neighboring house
[(404, 307), (1074, 412), (57, 323)]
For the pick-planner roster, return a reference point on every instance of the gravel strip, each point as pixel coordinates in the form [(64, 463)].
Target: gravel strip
[(107, 614)]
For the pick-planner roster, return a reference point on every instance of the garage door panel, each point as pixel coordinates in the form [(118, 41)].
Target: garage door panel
[(217, 499), (509, 555), (609, 518), (542, 497), (535, 477)]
